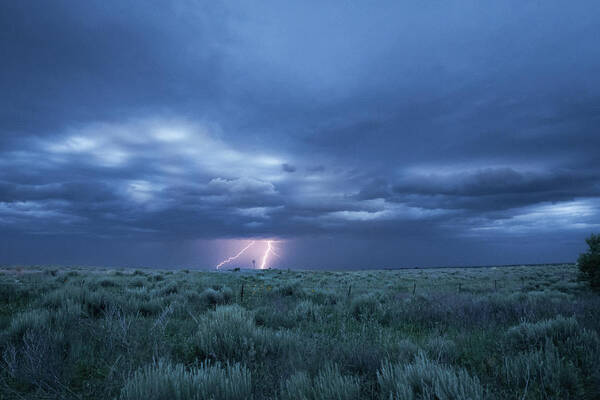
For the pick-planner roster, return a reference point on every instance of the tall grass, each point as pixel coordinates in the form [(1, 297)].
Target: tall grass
[(427, 380), (163, 380), (508, 333)]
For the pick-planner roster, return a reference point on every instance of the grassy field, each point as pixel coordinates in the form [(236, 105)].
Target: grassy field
[(528, 332)]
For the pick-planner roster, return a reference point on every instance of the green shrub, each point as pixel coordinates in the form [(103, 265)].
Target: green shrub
[(229, 333), (308, 311), (329, 384), (427, 380), (30, 320), (107, 282), (402, 350), (589, 262), (67, 315), (150, 307), (533, 335), (297, 387), (543, 373), (271, 317), (212, 297), (289, 290), (36, 361), (228, 294), (364, 307), (137, 283), (324, 297), (162, 381), (169, 289), (441, 349)]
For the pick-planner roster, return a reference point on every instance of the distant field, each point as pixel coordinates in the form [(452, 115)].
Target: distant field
[(526, 332)]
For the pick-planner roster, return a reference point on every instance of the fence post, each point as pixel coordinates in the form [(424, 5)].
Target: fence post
[(349, 290), (242, 293), (414, 287)]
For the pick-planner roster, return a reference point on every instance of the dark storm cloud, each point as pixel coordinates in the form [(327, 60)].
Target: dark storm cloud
[(497, 188), (460, 122), (288, 168), (72, 62)]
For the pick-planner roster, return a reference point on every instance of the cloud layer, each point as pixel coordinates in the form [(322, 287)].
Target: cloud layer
[(361, 136)]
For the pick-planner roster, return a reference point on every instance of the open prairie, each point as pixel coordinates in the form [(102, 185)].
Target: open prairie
[(526, 332)]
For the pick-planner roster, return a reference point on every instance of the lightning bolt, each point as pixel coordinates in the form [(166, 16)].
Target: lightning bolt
[(269, 250), (236, 256)]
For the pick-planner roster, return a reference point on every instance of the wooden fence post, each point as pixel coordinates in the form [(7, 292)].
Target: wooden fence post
[(349, 290), (414, 287), (242, 293)]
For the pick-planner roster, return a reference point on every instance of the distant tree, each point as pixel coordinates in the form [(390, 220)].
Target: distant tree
[(589, 262)]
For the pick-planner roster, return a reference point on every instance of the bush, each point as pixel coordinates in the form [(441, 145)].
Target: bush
[(441, 349), (107, 282), (543, 373), (589, 263), (533, 335), (289, 290), (427, 380), (364, 307), (271, 317), (403, 350), (166, 381), (34, 319), (328, 384), (212, 297), (36, 361), (171, 288), (229, 333), (306, 310)]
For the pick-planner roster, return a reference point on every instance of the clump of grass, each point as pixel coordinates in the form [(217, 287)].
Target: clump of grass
[(137, 283), (427, 380), (271, 317), (403, 350), (36, 362), (289, 290), (329, 384), (364, 307), (324, 297), (542, 373), (107, 282), (164, 380), (533, 335), (308, 311), (441, 349), (229, 333), (212, 297), (169, 289), (29, 320), (150, 307)]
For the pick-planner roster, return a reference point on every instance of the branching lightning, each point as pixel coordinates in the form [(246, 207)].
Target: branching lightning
[(236, 256), (265, 257), (269, 250)]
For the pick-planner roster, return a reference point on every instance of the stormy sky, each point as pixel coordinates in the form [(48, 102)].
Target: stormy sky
[(355, 134)]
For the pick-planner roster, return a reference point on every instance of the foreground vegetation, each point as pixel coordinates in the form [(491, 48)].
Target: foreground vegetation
[(527, 332)]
